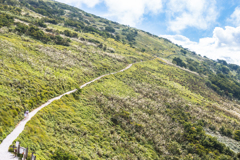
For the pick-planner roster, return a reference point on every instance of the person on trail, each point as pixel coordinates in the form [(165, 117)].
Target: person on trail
[(15, 151), (27, 112), (25, 115)]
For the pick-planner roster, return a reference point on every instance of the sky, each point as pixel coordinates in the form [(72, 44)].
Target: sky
[(208, 27)]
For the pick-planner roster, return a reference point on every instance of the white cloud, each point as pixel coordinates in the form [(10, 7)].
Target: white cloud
[(78, 3), (128, 12), (180, 13), (191, 13), (235, 17), (225, 44), (131, 11), (228, 37)]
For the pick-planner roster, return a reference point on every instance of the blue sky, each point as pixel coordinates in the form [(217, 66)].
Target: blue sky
[(208, 27)]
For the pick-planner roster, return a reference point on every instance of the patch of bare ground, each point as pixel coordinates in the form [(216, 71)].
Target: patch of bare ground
[(17, 20), (231, 143)]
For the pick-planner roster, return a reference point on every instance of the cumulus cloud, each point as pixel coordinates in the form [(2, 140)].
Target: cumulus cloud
[(225, 44), (229, 37), (188, 13), (128, 12), (180, 13), (78, 3), (235, 17)]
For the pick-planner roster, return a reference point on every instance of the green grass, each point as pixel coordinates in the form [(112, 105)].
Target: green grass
[(33, 72), (133, 114), (141, 113)]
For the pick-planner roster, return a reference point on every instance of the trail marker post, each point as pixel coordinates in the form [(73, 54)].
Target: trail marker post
[(18, 147), (25, 153)]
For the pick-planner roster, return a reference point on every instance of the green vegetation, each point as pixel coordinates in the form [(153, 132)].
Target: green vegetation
[(137, 113), (41, 24), (110, 29), (237, 135), (154, 110), (221, 82), (42, 7), (33, 72), (226, 132), (61, 155), (70, 34), (224, 85), (5, 20), (38, 34), (179, 62)]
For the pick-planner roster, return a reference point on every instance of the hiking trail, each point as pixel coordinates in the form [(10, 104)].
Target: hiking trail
[(4, 154)]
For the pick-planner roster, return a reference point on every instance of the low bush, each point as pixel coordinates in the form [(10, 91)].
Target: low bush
[(70, 34), (179, 62), (237, 135), (41, 24), (110, 29), (6, 20), (62, 155)]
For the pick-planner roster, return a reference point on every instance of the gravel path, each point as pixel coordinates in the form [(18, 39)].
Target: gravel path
[(4, 154)]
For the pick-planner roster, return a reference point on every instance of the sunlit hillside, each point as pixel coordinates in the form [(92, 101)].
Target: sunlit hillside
[(171, 104)]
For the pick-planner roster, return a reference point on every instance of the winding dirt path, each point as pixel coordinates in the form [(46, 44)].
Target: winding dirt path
[(4, 154)]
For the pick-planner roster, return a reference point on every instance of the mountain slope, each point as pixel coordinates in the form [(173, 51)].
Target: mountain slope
[(139, 113), (158, 109)]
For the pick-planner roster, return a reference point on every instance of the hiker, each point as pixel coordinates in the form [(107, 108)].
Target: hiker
[(25, 115), (27, 112), (23, 157), (15, 151)]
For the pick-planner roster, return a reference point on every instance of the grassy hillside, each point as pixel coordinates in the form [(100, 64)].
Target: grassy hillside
[(139, 114), (162, 108), (33, 72)]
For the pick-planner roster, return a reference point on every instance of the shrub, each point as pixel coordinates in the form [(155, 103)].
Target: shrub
[(238, 155), (222, 62), (192, 68), (237, 135), (38, 34), (62, 155), (70, 34), (12, 2), (212, 127), (183, 51), (49, 20), (225, 69), (49, 30), (224, 85), (179, 62), (41, 24), (110, 29), (43, 8), (21, 28), (62, 41), (174, 148), (5, 20), (118, 38)]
